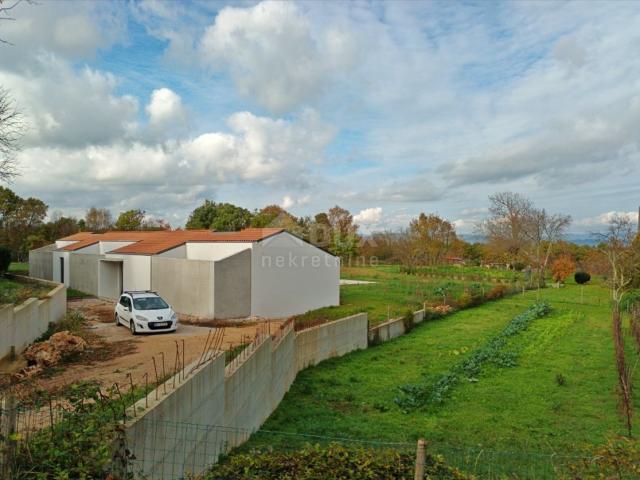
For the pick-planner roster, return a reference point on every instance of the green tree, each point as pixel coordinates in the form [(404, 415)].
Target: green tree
[(222, 217), (344, 233), (130, 220)]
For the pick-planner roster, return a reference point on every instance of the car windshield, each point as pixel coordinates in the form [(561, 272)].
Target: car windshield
[(149, 303)]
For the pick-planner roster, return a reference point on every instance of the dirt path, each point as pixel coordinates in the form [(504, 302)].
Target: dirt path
[(119, 352)]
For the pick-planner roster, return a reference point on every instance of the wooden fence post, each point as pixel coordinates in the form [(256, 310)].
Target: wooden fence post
[(8, 423), (420, 459)]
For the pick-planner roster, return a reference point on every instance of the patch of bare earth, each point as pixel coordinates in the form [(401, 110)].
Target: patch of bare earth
[(113, 353)]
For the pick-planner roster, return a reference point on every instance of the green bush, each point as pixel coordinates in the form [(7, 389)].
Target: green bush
[(518, 266), (333, 461), (407, 321), (581, 277), (497, 292), (465, 300), (630, 299), (5, 259)]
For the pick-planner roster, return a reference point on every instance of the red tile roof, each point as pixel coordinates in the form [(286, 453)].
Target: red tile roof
[(154, 242)]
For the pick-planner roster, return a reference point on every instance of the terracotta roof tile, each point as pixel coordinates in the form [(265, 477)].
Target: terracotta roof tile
[(154, 242)]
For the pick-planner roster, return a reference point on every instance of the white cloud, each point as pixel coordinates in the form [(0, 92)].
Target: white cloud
[(165, 106), (272, 54), (289, 201), (604, 218), (369, 216)]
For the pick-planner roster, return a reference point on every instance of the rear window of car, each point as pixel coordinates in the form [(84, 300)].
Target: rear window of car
[(149, 303)]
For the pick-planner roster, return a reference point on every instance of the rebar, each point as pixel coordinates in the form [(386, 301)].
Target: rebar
[(155, 369), (164, 375), (133, 396), (146, 389)]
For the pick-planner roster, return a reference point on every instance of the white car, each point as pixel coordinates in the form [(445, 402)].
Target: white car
[(145, 312)]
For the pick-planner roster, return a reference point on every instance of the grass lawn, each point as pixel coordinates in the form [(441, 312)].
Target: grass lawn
[(390, 297), (12, 291), (19, 268), (521, 410)]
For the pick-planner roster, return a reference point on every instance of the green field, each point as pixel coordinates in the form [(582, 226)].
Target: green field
[(392, 294), (19, 268), (524, 411)]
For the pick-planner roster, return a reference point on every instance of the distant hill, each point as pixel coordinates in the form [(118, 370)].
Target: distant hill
[(577, 238)]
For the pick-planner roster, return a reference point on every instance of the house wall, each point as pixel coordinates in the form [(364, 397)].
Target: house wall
[(187, 285), (64, 243), (178, 252), (84, 272), (106, 247), (56, 267), (232, 286), (110, 278), (290, 276), (41, 262), (214, 250)]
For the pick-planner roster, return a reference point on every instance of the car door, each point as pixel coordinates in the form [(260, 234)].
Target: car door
[(120, 308), (126, 309)]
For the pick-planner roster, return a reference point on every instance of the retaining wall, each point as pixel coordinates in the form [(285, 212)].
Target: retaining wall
[(21, 324), (41, 262), (217, 407), (393, 328)]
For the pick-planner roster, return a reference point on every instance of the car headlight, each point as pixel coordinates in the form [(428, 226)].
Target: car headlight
[(174, 317), (141, 318)]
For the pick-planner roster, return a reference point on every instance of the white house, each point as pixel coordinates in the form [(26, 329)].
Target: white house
[(265, 272)]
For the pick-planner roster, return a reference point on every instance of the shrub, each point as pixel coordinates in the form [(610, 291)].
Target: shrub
[(464, 300), (582, 277), (562, 267), (331, 461), (407, 321), (629, 299), (498, 291), (518, 266), (5, 259), (561, 380)]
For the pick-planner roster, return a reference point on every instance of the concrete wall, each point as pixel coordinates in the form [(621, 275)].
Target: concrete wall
[(178, 252), (290, 276), (56, 267), (41, 262), (213, 250), (228, 405), (198, 401), (232, 286), (110, 279), (21, 324), (84, 272), (393, 328), (187, 285), (331, 340)]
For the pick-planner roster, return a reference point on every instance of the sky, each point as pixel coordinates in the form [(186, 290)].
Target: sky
[(388, 109)]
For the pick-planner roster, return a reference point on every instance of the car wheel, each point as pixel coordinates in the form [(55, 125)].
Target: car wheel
[(117, 320), (132, 327)]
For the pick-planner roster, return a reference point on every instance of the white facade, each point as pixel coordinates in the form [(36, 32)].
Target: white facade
[(288, 276)]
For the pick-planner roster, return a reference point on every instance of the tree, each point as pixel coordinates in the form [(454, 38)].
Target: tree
[(543, 230), (274, 216), (435, 236), (11, 129), (222, 217), (98, 220), (344, 233), (562, 268), (19, 218), (617, 246), (505, 229), (130, 220)]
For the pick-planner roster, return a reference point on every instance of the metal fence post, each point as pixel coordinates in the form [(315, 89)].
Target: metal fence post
[(420, 459)]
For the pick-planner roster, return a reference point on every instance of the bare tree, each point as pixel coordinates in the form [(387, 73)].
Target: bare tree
[(543, 230), (506, 226), (617, 246), (5, 14), (11, 129)]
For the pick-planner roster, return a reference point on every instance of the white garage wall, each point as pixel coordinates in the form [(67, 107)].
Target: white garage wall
[(214, 250), (290, 276)]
